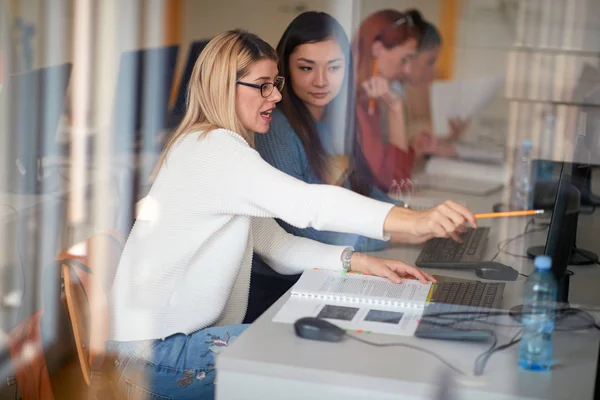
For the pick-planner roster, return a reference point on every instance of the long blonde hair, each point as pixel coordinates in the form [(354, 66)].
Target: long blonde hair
[(211, 91)]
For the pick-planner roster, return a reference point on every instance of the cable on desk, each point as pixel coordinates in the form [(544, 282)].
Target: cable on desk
[(454, 317), (476, 370), (410, 346), (504, 243), (483, 358)]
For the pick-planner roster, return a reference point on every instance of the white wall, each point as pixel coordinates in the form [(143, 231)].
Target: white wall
[(486, 29), (429, 8), (486, 33), (203, 19)]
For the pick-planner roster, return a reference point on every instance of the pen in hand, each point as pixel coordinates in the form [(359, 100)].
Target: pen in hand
[(509, 214)]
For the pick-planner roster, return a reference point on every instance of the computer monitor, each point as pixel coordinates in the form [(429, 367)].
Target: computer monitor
[(545, 197), (581, 178), (587, 94), (31, 104), (559, 244), (140, 120), (179, 107), (559, 247), (142, 97), (587, 152), (562, 229)]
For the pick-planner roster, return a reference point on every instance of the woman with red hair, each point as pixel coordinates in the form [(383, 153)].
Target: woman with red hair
[(383, 51)]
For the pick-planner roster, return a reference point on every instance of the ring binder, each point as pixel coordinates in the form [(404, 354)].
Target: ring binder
[(357, 302)]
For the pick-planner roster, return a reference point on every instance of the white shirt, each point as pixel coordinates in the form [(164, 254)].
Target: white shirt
[(186, 265)]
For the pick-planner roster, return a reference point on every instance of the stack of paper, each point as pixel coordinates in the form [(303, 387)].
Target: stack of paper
[(489, 155), (459, 176), (461, 99), (452, 168)]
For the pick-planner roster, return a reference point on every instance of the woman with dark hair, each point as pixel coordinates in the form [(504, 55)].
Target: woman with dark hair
[(384, 49), (312, 137)]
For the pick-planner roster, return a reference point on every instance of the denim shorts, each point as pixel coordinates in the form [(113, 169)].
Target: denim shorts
[(178, 367)]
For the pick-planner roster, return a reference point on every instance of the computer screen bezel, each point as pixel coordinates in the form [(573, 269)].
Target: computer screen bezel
[(562, 229), (142, 96), (180, 105)]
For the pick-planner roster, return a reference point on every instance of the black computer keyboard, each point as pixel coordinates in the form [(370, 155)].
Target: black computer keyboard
[(457, 309), (468, 293), (445, 252)]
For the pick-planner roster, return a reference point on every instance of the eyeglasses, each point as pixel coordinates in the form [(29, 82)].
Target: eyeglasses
[(266, 88), (400, 21)]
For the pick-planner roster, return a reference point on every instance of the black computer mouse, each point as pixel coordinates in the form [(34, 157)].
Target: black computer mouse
[(318, 329), (496, 271)]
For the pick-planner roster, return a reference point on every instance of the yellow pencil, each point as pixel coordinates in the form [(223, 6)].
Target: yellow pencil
[(509, 214)]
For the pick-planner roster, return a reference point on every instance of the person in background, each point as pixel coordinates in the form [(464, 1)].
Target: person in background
[(312, 136), (416, 91), (181, 286), (383, 50)]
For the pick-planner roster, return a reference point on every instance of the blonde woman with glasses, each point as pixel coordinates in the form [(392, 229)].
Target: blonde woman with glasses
[(181, 287)]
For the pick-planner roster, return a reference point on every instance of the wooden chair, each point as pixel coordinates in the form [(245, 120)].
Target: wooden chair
[(86, 289)]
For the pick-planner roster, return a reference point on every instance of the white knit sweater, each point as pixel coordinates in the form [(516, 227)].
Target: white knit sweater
[(186, 264)]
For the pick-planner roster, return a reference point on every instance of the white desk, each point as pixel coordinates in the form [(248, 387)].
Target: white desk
[(269, 362)]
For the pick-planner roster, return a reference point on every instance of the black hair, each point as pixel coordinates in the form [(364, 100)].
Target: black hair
[(314, 27), (429, 35)]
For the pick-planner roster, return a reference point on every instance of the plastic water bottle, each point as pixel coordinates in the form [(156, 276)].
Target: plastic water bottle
[(546, 151), (539, 311), (522, 185)]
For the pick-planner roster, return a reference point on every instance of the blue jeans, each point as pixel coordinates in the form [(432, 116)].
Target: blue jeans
[(178, 367)]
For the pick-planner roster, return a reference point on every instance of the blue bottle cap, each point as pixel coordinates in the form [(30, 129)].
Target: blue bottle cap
[(543, 262), (527, 144)]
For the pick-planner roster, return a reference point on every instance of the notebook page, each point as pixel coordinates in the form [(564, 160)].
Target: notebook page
[(337, 286), (353, 316), (461, 99)]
